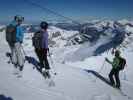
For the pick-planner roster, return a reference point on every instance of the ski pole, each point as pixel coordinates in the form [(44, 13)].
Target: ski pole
[(52, 62), (100, 69), (23, 51), (102, 66), (125, 76), (25, 55)]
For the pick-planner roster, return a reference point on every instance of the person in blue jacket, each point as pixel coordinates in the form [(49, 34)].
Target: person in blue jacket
[(16, 49)]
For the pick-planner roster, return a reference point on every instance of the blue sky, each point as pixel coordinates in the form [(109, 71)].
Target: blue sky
[(75, 9)]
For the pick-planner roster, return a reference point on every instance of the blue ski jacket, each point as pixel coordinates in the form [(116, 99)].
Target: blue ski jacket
[(19, 32)]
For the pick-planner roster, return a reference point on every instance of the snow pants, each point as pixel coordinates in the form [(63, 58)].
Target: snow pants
[(42, 56), (115, 74), (17, 55)]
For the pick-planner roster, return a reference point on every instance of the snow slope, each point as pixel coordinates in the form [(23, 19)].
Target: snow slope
[(71, 82)]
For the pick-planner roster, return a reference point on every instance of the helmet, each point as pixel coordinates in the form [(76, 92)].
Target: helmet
[(44, 25), (18, 18), (117, 52)]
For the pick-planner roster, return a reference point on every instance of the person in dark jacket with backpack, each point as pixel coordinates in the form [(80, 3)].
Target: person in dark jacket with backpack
[(42, 50), (115, 69)]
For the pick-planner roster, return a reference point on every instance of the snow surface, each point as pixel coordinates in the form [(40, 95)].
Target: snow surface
[(71, 82)]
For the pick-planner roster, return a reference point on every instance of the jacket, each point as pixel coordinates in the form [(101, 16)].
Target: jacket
[(19, 32), (45, 39), (115, 63)]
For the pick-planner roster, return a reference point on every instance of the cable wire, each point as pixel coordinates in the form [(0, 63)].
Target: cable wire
[(50, 11)]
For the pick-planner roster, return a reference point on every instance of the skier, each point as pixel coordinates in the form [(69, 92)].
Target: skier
[(14, 37), (117, 65), (40, 42)]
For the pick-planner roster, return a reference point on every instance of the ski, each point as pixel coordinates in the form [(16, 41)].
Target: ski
[(43, 73), (124, 94), (118, 89), (8, 54)]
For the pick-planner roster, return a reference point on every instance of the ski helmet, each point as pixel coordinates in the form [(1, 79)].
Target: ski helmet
[(117, 53), (44, 25), (18, 18)]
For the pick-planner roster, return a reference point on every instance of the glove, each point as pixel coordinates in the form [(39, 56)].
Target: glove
[(21, 42)]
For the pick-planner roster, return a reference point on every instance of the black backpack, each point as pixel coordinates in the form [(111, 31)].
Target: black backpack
[(11, 34), (37, 39), (122, 63)]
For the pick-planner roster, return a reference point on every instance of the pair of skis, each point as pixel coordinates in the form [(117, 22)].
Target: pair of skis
[(44, 73), (16, 71)]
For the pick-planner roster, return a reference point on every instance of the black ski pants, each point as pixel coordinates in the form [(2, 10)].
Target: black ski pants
[(114, 73), (42, 56)]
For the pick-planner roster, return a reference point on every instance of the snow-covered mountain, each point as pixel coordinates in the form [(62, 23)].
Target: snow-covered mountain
[(92, 38), (72, 51), (95, 38), (91, 32), (2, 28)]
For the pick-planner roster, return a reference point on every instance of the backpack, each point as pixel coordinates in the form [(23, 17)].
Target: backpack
[(11, 34), (122, 63), (37, 39)]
